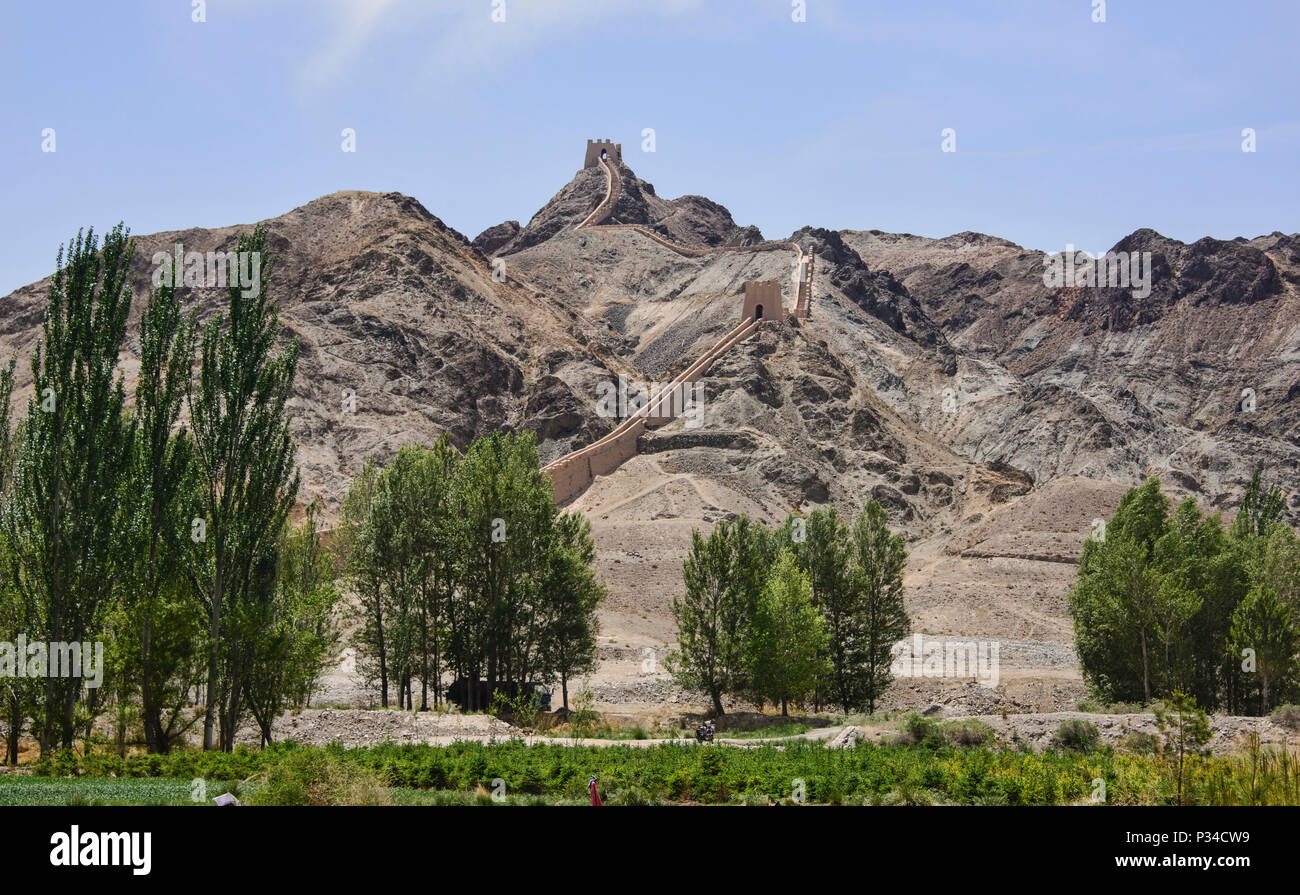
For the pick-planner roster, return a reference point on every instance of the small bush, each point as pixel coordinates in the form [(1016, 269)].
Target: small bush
[(310, 776), (631, 796), (1287, 716), (1140, 743), (918, 730), (969, 733), (1076, 735)]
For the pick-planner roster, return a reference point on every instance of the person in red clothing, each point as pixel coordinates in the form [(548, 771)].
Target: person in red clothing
[(595, 795)]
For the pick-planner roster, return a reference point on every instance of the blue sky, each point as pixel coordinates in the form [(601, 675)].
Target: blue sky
[(1067, 130)]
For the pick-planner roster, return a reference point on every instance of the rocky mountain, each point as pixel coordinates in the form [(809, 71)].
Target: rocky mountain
[(398, 313), (994, 414), (693, 220)]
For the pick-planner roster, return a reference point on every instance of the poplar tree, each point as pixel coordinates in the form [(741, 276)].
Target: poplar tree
[(1265, 636), (569, 595), (16, 697), (355, 541), (160, 646), (244, 458), (878, 557), (824, 555), (788, 637), (63, 515), (288, 629), (723, 577)]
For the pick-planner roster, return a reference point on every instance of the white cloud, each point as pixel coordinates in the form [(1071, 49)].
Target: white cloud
[(460, 39)]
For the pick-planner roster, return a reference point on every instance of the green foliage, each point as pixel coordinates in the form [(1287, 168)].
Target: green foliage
[(892, 774), (246, 480), (466, 564), (969, 733), (723, 577), (156, 630), (1265, 634), (1287, 716), (1260, 508), (311, 776), (787, 638), (290, 629), (64, 504), (158, 531), (1141, 743), (917, 730), (879, 557), (1076, 735), (1186, 730), (64, 507), (1167, 603), (855, 578)]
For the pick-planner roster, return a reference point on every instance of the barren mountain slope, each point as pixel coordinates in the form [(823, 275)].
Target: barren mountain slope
[(992, 416), (395, 308), (1099, 383)]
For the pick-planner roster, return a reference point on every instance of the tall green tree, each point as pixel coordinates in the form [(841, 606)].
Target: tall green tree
[(1116, 597), (64, 511), (1279, 566), (356, 542), (1186, 730), (1261, 506), (290, 631), (788, 641), (1265, 635), (825, 555), (568, 598), (723, 577), (159, 638), (17, 696), (878, 557), (505, 513), (244, 457)]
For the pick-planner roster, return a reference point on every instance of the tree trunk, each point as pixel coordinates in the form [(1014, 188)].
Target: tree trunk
[(383, 654), (16, 716), (1146, 675), (424, 661), (214, 631)]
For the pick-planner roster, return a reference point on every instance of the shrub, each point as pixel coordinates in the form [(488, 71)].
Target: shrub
[(632, 795), (1287, 716), (969, 732), (1140, 743), (310, 776), (1076, 735), (919, 730)]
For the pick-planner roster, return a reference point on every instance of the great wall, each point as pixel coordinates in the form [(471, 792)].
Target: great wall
[(573, 472)]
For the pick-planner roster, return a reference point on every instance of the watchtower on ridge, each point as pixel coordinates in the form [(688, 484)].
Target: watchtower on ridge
[(762, 301), (599, 149)]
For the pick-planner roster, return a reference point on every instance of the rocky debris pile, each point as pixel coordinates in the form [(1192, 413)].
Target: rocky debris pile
[(648, 691), (845, 739), (1227, 731), (361, 727)]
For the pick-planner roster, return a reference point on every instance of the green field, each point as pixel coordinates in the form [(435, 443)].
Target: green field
[(469, 773)]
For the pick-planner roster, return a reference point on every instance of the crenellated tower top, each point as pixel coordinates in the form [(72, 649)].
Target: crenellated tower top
[(599, 149)]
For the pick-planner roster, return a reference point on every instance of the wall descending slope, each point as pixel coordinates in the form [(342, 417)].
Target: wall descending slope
[(573, 472)]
